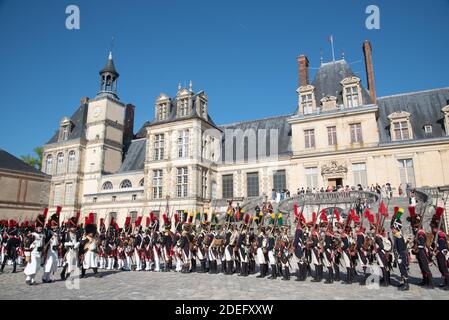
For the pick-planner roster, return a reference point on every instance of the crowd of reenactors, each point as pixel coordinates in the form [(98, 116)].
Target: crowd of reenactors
[(332, 246)]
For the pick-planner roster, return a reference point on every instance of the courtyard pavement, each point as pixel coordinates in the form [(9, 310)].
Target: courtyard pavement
[(119, 285)]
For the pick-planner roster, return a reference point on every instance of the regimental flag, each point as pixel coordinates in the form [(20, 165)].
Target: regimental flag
[(323, 216)]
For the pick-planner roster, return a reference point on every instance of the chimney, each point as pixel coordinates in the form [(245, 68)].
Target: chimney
[(303, 70), (83, 101), (368, 52), (128, 130)]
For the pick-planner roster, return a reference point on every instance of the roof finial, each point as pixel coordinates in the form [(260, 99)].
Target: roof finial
[(343, 54), (179, 85), (111, 47), (191, 86)]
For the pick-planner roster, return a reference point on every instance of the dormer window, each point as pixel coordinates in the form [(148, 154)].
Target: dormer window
[(352, 94), (64, 129), (162, 107), (428, 128), (307, 103), (183, 108), (446, 119), (400, 127)]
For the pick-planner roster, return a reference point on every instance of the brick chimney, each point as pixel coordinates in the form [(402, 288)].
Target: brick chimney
[(303, 70), (368, 52)]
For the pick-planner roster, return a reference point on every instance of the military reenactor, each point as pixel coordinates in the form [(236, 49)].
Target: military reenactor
[(71, 243), (400, 251), (89, 247), (440, 246), (51, 247), (36, 243)]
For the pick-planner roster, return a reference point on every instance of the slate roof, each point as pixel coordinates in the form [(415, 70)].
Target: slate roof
[(12, 163), (109, 67), (278, 122), (135, 156), (425, 108), (78, 120), (327, 81)]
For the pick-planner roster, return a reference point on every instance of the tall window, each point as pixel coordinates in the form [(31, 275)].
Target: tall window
[(359, 170), (57, 195), (401, 131), (332, 135), (60, 163), (406, 171), (162, 111), (181, 182), (309, 138), (49, 164), (183, 143), (159, 147), (228, 186), (65, 133), (204, 183), (352, 96), (356, 132), (252, 180), (307, 103), (279, 180), (183, 107), (157, 184), (312, 177), (69, 194), (72, 162), (126, 184), (107, 185)]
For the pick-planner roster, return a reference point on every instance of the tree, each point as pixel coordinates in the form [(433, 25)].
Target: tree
[(34, 160)]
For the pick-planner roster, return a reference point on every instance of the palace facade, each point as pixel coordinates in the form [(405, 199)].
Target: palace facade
[(340, 134)]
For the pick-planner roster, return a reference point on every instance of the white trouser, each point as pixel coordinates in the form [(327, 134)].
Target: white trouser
[(346, 260), (315, 257), (260, 256), (129, 263), (138, 262), (271, 257), (157, 259)]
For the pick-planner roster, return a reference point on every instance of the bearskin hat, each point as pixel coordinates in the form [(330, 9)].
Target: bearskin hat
[(40, 220), (167, 222), (91, 229)]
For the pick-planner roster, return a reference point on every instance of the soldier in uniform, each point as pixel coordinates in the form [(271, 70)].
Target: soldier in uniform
[(299, 245), (167, 244), (381, 256), (400, 251), (71, 243), (90, 247), (51, 245), (36, 243), (12, 246), (361, 252), (440, 246)]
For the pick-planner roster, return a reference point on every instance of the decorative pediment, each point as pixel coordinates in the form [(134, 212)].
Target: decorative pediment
[(445, 109), (162, 97), (350, 80), (399, 115), (333, 169), (183, 92), (328, 103), (306, 88)]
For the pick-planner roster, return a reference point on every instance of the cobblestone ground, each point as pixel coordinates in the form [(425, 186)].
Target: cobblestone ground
[(121, 285)]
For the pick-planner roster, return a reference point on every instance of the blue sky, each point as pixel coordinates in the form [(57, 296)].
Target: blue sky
[(242, 53)]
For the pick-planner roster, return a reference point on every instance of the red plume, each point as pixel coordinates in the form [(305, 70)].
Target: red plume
[(395, 210), (323, 216), (371, 218), (78, 214), (147, 222), (295, 209), (138, 221), (411, 210), (45, 212), (383, 210), (58, 210), (86, 221), (246, 219), (176, 218), (91, 218), (314, 217), (164, 217), (152, 217), (438, 212), (127, 221), (337, 215)]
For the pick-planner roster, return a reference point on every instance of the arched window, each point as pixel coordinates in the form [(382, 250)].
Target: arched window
[(107, 185), (72, 162), (49, 164), (141, 182), (126, 184), (60, 163)]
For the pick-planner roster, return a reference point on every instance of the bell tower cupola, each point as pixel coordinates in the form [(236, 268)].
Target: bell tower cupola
[(108, 79)]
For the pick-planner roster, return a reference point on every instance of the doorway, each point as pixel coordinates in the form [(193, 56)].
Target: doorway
[(335, 182)]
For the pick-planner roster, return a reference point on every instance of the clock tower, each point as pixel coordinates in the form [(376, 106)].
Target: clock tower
[(105, 125)]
